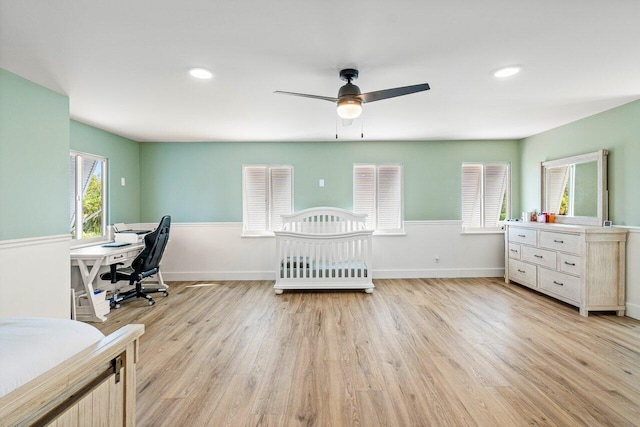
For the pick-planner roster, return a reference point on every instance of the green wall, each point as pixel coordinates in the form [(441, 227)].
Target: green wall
[(202, 181), (34, 159), (616, 130), (123, 159)]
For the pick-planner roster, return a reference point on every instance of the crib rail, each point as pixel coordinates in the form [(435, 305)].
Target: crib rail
[(325, 220), (326, 258)]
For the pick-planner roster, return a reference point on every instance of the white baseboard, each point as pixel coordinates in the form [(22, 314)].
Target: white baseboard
[(632, 310), (196, 276), (191, 276), (438, 273)]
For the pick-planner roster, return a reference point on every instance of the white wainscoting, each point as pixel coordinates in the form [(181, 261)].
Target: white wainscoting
[(633, 272), (216, 251), (35, 277)]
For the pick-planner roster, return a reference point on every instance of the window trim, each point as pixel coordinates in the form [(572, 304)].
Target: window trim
[(400, 231), (484, 229), (269, 213), (78, 239)]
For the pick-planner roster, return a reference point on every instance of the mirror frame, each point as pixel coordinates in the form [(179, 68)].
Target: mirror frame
[(600, 157)]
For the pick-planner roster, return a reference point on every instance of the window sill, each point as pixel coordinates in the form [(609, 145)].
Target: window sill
[(390, 233), (481, 231), (259, 235), (80, 243)]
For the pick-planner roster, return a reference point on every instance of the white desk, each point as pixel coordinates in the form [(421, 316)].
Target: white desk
[(97, 256)]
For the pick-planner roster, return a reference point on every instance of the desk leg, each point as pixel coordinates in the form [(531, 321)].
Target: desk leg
[(88, 276), (161, 281)]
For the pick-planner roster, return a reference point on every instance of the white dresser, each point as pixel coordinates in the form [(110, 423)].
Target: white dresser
[(582, 266)]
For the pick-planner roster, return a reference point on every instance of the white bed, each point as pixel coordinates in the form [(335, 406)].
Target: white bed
[(324, 248), (66, 372)]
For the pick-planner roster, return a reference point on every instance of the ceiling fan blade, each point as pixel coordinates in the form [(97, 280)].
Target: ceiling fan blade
[(392, 93), (304, 95), (347, 122)]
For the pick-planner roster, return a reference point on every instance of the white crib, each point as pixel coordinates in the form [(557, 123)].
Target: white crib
[(324, 248)]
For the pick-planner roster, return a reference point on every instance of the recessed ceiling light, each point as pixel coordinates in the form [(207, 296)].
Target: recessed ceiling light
[(507, 71), (201, 73)]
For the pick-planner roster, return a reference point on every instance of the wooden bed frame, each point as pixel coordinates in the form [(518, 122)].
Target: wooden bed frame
[(95, 387), (324, 248)]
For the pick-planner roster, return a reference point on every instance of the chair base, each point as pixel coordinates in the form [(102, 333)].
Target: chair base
[(137, 292)]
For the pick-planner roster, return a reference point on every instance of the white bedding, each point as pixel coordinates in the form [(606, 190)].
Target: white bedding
[(30, 346)]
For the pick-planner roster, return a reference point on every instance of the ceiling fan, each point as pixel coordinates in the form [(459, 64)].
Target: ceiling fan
[(350, 99)]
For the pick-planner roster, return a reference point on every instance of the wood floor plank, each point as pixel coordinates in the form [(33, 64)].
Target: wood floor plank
[(416, 352)]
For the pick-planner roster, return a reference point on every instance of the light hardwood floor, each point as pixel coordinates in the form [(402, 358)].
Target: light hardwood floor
[(424, 352)]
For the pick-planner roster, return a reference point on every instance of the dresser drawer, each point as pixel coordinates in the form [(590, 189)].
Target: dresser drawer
[(523, 235), (560, 284), (560, 241), (514, 251), (522, 272), (570, 264), (539, 256)]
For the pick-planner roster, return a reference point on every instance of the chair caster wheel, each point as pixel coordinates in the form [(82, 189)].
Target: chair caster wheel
[(151, 302), (116, 305), (166, 294)]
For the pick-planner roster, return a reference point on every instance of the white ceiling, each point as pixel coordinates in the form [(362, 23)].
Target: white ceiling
[(124, 63)]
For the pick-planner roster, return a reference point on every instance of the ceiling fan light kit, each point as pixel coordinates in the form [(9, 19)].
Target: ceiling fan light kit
[(349, 108), (349, 100)]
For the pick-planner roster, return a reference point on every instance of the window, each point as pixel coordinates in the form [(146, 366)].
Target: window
[(88, 195), (377, 192), (485, 194), (267, 193)]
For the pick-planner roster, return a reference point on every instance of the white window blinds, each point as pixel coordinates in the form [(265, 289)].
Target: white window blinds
[(495, 191), (485, 194), (364, 192), (267, 194), (281, 195), (377, 192), (472, 195)]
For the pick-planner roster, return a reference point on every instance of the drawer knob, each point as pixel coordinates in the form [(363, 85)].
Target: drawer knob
[(514, 250), (558, 241), (118, 256), (522, 235), (570, 263), (521, 271), (558, 283), (538, 256)]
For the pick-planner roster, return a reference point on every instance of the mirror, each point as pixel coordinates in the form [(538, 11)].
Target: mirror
[(575, 188)]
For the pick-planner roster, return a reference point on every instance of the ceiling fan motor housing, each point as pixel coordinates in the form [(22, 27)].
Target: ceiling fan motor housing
[(350, 90)]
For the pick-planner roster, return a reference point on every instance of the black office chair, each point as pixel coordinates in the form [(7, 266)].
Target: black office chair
[(146, 264)]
